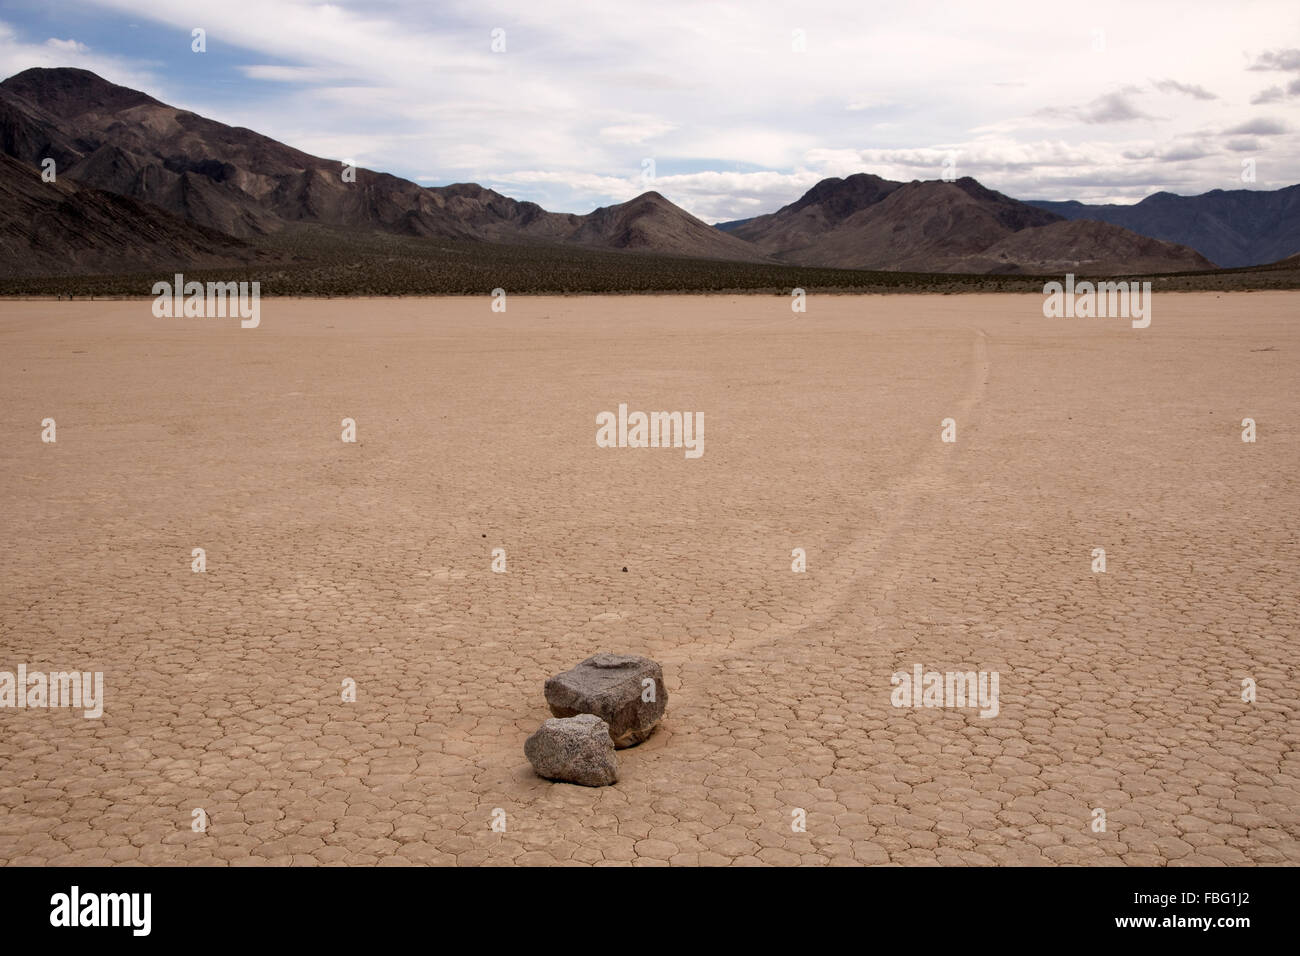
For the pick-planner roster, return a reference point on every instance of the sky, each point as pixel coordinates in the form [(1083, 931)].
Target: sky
[(730, 109)]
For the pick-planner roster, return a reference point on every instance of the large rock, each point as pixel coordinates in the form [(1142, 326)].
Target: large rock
[(612, 686), (574, 750)]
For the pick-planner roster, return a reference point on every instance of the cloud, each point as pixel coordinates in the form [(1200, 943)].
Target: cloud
[(1287, 60), (66, 47), (635, 132), (1270, 95), (1182, 149), (642, 80), (17, 55), (1188, 89), (1108, 108), (1258, 127), (712, 91), (868, 103), (289, 74)]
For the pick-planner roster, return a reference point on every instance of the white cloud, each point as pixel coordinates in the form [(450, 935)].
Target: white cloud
[(17, 55), (585, 91), (66, 47), (635, 132), (288, 74)]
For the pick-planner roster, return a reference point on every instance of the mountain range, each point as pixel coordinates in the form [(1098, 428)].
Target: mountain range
[(142, 185), (244, 184), (865, 222), (1236, 227)]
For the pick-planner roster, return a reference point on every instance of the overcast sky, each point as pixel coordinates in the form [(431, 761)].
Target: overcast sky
[(741, 106)]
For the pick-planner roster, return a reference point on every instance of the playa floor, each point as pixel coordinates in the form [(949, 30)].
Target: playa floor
[(371, 561)]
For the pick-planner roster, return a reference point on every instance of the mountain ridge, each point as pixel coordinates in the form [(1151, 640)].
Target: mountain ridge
[(1233, 227), (247, 184), (866, 222), (243, 184)]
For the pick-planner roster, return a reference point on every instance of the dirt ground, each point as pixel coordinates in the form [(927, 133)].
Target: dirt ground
[(1120, 691)]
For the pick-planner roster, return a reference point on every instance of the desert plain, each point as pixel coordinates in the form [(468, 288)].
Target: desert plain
[(371, 562)]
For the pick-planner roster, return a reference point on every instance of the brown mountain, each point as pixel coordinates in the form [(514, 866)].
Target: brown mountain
[(246, 184), (224, 177), (650, 223), (813, 215), (865, 222), (1234, 227), (1088, 248), (63, 228)]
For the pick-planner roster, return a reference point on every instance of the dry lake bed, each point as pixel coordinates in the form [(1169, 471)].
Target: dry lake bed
[(1146, 714)]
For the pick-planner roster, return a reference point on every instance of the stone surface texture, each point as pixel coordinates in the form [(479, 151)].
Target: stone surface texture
[(613, 687), (574, 750)]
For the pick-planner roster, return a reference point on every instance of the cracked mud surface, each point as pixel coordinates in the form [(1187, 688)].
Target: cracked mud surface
[(371, 561)]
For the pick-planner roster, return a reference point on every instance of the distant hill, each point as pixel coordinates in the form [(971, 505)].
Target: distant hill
[(223, 177), (1089, 248), (1237, 227), (866, 222), (732, 225), (246, 184), (218, 182), (651, 223)]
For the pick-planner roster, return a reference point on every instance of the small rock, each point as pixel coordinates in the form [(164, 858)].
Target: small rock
[(614, 688), (574, 750)]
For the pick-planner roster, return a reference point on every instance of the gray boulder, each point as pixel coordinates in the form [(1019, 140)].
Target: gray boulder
[(614, 688), (574, 750)]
